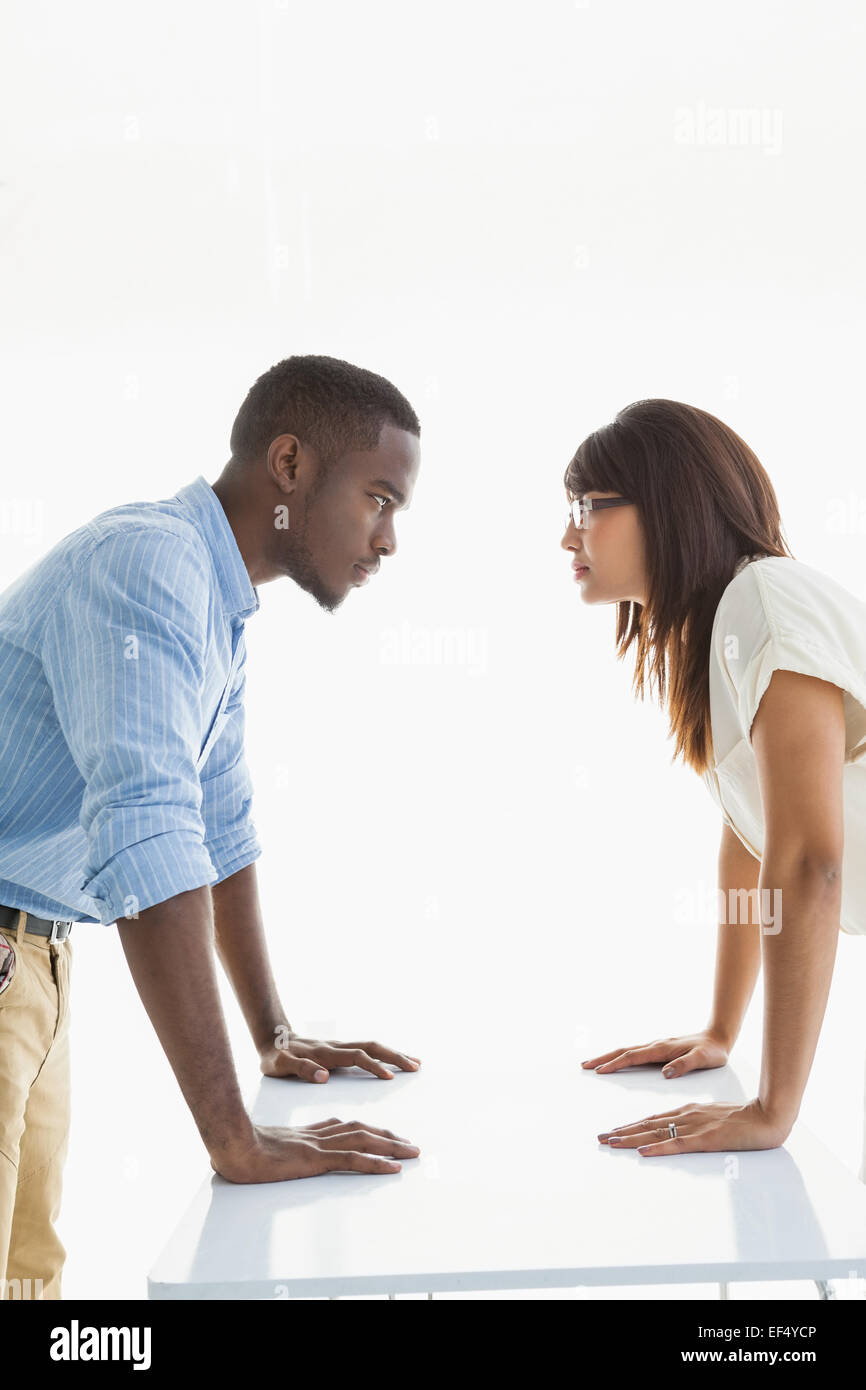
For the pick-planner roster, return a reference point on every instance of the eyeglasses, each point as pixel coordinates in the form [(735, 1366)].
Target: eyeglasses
[(581, 506)]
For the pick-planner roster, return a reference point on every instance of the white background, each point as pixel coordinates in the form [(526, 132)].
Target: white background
[(526, 216)]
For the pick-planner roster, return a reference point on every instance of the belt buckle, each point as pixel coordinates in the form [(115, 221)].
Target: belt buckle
[(58, 922)]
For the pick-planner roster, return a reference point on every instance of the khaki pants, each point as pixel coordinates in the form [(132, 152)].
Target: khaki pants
[(34, 1113)]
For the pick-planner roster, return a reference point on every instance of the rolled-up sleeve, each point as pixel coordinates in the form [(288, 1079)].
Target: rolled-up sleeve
[(123, 649), (815, 630), (230, 835)]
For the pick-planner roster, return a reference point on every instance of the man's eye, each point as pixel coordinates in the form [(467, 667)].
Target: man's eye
[(380, 498)]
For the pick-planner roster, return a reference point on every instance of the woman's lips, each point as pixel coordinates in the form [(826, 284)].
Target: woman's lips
[(580, 570)]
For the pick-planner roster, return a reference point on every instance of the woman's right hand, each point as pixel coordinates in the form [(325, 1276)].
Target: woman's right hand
[(277, 1153), (693, 1052)]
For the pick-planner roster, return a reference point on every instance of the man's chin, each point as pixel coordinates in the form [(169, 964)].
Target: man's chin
[(325, 597), (307, 579), (330, 602)]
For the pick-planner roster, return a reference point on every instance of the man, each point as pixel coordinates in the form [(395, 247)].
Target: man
[(125, 796)]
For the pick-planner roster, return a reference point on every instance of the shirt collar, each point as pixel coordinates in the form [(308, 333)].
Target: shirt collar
[(238, 593), (743, 561)]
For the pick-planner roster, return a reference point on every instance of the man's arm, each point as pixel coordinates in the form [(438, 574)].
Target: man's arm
[(123, 649), (242, 950), (227, 790), (243, 953), (169, 950)]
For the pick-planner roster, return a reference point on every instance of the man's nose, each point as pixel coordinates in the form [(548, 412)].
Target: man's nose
[(385, 540)]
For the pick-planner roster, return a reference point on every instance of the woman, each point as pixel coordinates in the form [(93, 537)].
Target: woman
[(762, 660)]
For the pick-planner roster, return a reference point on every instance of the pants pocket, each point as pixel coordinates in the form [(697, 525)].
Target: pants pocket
[(13, 972)]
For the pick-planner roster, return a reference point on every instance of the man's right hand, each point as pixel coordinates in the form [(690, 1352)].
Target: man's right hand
[(169, 950), (676, 1056), (328, 1146)]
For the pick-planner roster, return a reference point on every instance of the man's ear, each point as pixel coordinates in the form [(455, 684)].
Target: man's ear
[(285, 461)]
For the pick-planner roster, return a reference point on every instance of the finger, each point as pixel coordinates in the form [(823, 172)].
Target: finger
[(334, 1055), (310, 1070), (360, 1058), (345, 1161), (683, 1144), (678, 1066), (365, 1141), (635, 1057), (605, 1057), (649, 1121), (653, 1134), (331, 1127), (383, 1054), (289, 1065), (387, 1054)]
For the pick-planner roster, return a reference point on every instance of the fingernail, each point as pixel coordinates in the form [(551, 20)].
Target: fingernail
[(606, 1135), (413, 1147), (320, 1075), (602, 1067), (614, 1139), (668, 1071)]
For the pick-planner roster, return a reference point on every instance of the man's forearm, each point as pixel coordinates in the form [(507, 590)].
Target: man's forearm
[(169, 950), (798, 968), (243, 952)]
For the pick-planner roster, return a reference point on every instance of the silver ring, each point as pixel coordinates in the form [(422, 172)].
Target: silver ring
[(672, 1129)]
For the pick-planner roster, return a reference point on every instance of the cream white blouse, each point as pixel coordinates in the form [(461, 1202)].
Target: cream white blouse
[(778, 613)]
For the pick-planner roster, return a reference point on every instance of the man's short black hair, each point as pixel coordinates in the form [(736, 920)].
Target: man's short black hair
[(332, 406)]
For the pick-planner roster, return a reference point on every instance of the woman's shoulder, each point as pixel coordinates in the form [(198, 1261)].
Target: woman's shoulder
[(788, 589), (778, 598), (779, 613)]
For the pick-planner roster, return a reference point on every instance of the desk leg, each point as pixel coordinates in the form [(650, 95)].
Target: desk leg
[(825, 1290), (723, 1291)]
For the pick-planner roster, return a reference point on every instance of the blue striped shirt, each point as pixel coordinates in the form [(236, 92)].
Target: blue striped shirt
[(122, 772)]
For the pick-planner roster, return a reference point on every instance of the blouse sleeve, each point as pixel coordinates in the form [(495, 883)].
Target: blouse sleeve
[(793, 624)]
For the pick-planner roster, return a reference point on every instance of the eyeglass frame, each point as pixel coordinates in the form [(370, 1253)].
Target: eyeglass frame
[(591, 504)]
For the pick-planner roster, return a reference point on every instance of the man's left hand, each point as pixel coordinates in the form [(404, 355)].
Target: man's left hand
[(311, 1060)]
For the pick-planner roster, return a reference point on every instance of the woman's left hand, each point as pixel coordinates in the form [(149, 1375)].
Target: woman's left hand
[(713, 1128)]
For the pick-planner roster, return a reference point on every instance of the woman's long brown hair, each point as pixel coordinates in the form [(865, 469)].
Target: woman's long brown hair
[(704, 501)]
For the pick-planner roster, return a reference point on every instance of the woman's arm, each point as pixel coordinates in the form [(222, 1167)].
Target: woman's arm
[(798, 736), (738, 961), (798, 970), (738, 945)]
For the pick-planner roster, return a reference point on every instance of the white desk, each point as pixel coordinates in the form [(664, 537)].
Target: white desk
[(513, 1191)]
